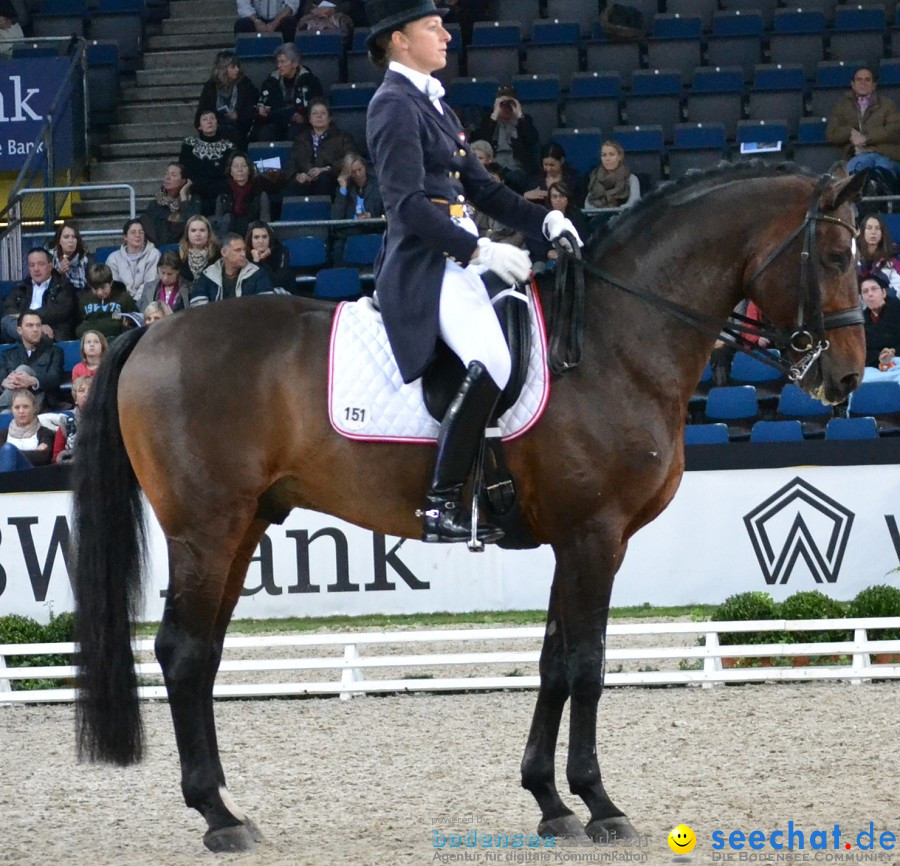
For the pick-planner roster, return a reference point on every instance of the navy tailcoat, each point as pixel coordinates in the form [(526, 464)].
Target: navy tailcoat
[(419, 155)]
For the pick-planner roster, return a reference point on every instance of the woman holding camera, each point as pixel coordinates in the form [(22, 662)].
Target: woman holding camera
[(514, 138)]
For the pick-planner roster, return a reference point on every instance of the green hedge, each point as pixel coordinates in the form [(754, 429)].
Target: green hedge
[(23, 629)]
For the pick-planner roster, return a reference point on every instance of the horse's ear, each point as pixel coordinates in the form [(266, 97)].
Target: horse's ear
[(842, 191)]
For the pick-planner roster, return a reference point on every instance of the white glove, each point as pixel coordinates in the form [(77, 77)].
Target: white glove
[(509, 263), (555, 224)]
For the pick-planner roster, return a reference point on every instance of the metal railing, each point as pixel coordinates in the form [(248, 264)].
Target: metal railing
[(344, 654)]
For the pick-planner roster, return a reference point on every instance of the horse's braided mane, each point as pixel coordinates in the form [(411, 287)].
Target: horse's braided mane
[(609, 233)]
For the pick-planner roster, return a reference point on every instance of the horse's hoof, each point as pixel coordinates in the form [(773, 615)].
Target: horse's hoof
[(230, 840), (255, 832), (609, 831), (564, 827)]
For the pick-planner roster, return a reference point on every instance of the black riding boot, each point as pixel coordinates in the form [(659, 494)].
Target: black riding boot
[(460, 438)]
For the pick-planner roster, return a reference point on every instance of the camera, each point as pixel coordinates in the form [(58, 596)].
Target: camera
[(508, 103)]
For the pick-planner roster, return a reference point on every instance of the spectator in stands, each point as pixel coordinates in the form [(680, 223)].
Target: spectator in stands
[(866, 126), (70, 259), (232, 276), (170, 286), (67, 431), (156, 311), (317, 154), (543, 254), (134, 263), (232, 96), (284, 98), (10, 25), (324, 17), (164, 217), (358, 194), (44, 292), (244, 200), (198, 248), (26, 443), (611, 184), (93, 347), (483, 150), (101, 306), (722, 355), (265, 250), (466, 13), (554, 169), (491, 228), (513, 138), (882, 322), (35, 364), (204, 156), (876, 254), (267, 16)]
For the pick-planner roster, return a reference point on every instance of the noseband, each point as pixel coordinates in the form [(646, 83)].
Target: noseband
[(807, 338)]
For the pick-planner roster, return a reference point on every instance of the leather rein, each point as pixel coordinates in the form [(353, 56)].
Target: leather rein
[(807, 338)]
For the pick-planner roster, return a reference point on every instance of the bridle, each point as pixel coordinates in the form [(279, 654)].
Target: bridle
[(807, 338)]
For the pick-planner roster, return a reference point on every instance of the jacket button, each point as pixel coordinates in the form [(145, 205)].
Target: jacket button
[(462, 152), (460, 198), (456, 175)]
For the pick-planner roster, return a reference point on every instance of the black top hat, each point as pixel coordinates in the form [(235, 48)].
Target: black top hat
[(388, 15)]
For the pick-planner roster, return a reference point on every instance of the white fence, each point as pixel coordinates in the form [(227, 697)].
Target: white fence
[(345, 655)]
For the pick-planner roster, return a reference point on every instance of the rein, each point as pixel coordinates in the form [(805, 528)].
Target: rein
[(807, 338)]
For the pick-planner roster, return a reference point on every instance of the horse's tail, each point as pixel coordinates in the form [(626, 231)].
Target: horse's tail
[(108, 557)]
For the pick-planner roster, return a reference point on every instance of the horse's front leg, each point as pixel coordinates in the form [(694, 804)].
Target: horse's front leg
[(538, 763), (586, 568)]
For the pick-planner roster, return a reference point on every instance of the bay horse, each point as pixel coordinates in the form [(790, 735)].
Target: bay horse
[(219, 416)]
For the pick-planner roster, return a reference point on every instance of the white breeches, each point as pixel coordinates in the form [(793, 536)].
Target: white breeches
[(468, 323)]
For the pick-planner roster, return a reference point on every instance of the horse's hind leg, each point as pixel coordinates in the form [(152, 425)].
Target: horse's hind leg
[(206, 576), (538, 772), (586, 569)]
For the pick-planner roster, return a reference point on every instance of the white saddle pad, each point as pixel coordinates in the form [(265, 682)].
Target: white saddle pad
[(367, 397)]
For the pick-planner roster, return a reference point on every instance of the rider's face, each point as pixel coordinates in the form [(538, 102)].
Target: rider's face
[(422, 44)]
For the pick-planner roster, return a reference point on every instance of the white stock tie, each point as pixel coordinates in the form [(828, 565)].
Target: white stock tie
[(434, 90)]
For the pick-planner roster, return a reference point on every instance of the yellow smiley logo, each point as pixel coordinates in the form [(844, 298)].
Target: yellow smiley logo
[(682, 839)]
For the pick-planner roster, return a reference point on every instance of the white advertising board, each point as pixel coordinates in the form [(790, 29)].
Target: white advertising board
[(830, 528)]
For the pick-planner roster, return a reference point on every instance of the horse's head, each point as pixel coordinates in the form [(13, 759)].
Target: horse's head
[(804, 280)]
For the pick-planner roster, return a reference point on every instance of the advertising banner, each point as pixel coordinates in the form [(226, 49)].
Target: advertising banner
[(28, 88), (831, 528)]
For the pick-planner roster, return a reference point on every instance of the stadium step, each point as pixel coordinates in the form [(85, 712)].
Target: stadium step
[(189, 91), (126, 170), (112, 208), (192, 40), (204, 8), (223, 24), (143, 189), (188, 59), (168, 148), (122, 132), (179, 75), (161, 112)]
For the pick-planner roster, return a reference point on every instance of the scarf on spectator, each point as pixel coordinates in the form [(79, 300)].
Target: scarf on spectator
[(172, 202), (608, 188), (197, 261), (241, 196), (18, 432), (226, 99), (167, 296)]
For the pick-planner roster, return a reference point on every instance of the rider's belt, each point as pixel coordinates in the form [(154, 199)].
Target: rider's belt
[(455, 209)]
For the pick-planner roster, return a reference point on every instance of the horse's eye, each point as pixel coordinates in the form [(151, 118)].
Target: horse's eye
[(840, 261)]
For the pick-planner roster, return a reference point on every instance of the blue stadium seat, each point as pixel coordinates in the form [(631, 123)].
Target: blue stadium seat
[(604, 54), (121, 21), (6, 288), (361, 250), (525, 11), (655, 99), (798, 36), (247, 45), (832, 78), (594, 100), (765, 8), (103, 82), (312, 43), (260, 150), (858, 32), (353, 95), (675, 43), (101, 254), (337, 284), (59, 18), (734, 405), (306, 252), (696, 146), (811, 149), (554, 49), (305, 208), (736, 40), (776, 431), (842, 429), (716, 96), (762, 132), (795, 404), (582, 147), (539, 96), (644, 147), (71, 350), (476, 92), (881, 400), (584, 13), (778, 91), (706, 434), (495, 49)]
